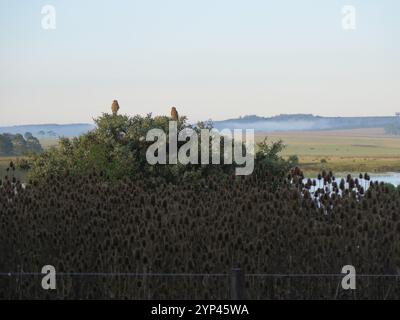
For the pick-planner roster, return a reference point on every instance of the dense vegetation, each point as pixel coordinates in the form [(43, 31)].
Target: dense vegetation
[(18, 145), (83, 224)]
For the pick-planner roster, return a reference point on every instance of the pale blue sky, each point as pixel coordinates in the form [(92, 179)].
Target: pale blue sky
[(211, 58)]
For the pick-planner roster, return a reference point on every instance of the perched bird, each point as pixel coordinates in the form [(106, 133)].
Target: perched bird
[(115, 107), (174, 114)]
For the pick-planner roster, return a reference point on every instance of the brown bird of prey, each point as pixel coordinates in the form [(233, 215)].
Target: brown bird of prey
[(174, 114), (115, 107)]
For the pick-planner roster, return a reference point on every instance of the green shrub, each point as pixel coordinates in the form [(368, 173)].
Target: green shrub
[(117, 148)]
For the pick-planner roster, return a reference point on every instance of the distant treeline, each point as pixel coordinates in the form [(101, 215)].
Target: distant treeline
[(18, 144), (50, 130)]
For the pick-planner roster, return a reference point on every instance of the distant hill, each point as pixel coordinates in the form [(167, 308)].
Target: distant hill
[(283, 122), (303, 122), (50, 130)]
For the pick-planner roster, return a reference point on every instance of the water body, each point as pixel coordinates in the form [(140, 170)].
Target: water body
[(387, 177)]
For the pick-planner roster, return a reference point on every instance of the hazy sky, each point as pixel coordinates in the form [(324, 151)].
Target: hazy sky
[(211, 58)]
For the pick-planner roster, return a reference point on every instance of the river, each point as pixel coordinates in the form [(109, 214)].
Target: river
[(387, 177)]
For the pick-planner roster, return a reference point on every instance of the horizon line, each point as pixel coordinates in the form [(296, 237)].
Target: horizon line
[(228, 119)]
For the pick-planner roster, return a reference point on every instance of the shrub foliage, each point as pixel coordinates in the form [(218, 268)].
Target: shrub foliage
[(117, 147)]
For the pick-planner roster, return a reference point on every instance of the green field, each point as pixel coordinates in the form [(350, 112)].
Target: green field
[(356, 150)]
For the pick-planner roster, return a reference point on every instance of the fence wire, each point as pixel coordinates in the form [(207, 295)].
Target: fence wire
[(250, 275)]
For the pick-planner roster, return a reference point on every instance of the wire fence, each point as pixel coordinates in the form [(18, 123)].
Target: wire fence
[(251, 275), (236, 280)]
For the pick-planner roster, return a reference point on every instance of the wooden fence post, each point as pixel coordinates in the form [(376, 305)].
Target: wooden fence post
[(237, 284)]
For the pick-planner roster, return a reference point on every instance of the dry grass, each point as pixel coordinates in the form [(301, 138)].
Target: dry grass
[(4, 164), (48, 142)]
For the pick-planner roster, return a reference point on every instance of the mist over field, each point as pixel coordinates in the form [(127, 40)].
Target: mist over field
[(304, 123)]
